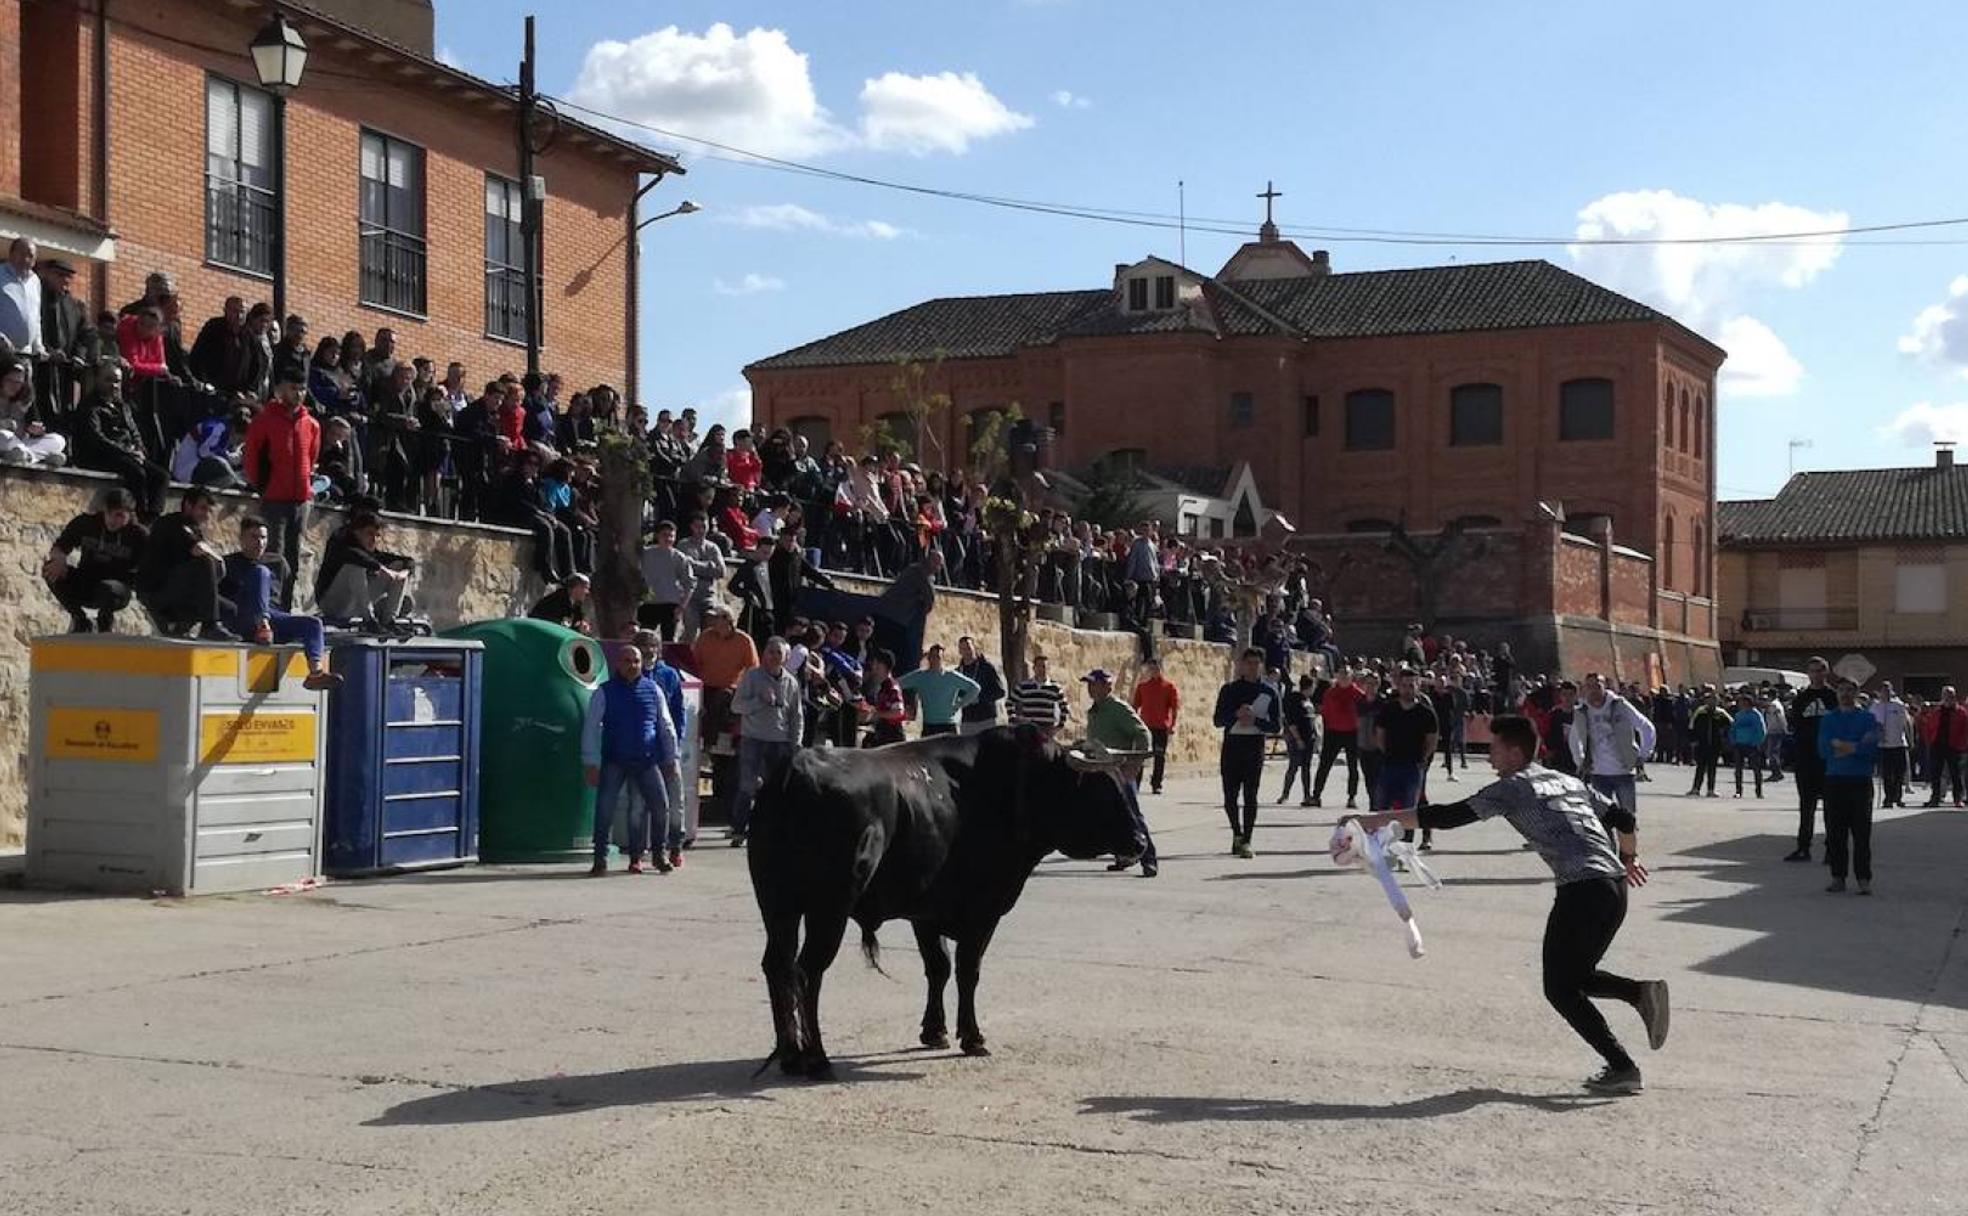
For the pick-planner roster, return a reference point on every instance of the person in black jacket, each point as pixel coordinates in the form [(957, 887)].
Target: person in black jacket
[(178, 572), (228, 356), (291, 356), (566, 605), (787, 571), (520, 503), (72, 343), (1811, 704), (109, 442), (106, 544), (476, 449), (361, 583), (752, 584), (393, 438), (1247, 712)]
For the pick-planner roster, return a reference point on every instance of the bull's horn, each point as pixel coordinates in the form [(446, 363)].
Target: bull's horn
[(1081, 762)]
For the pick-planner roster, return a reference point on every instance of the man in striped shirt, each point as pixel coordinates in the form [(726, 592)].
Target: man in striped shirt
[(1039, 701)]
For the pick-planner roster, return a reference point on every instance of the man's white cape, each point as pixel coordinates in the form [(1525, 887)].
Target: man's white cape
[(1355, 847)]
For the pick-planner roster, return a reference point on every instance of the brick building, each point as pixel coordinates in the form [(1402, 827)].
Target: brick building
[(1460, 396), (1859, 566), (133, 134)]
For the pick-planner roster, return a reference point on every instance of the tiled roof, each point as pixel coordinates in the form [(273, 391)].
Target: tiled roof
[(1431, 299), (1927, 503)]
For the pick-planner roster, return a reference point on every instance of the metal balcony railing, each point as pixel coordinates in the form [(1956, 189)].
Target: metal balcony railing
[(239, 225), (393, 270)]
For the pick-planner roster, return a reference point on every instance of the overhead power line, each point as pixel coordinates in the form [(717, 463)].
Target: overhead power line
[(1227, 227)]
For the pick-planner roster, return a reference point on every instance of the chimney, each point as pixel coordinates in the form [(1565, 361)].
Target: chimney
[(1120, 268), (1321, 263), (1944, 454)]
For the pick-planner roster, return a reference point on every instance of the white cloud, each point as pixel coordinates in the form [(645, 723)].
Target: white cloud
[(1926, 423), (750, 90), (1940, 331), (448, 57), (754, 91), (752, 284), (945, 112), (791, 217), (1759, 365), (1066, 99), (732, 407), (1707, 286)]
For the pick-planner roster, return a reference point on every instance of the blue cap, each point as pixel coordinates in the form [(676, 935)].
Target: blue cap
[(1100, 674)]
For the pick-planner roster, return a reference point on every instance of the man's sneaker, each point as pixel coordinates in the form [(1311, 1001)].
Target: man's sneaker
[(1149, 869), (1616, 1082), (1281, 797), (1865, 886), (1452, 777), (661, 862), (1798, 855), (676, 859), (105, 621), (319, 681), (1156, 790), (1314, 801), (1236, 845), (635, 867), (1774, 777), (214, 631), (737, 840), (1244, 849), (598, 869), (1308, 802), (79, 623), (1653, 1009), (1352, 804), (1835, 887)]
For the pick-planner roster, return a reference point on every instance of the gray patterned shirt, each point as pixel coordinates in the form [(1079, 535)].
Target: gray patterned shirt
[(1564, 820)]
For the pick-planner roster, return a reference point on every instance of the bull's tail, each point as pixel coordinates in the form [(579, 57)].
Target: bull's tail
[(871, 950)]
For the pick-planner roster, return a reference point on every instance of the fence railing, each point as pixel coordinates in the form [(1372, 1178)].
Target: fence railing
[(393, 270)]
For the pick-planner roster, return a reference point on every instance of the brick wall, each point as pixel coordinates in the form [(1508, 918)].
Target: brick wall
[(160, 53), (10, 98)]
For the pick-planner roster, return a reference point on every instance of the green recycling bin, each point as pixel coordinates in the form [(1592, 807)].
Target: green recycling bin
[(534, 803)]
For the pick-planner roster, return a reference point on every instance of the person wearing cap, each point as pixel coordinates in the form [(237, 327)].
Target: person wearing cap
[(283, 442), (941, 693), (1112, 725), (566, 605), (72, 341)]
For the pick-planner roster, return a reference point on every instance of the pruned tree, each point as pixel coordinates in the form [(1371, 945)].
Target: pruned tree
[(914, 387), (1431, 563), (618, 586), (990, 446)]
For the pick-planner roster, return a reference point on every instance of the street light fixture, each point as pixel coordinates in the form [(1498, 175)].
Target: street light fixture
[(279, 58), (686, 207)]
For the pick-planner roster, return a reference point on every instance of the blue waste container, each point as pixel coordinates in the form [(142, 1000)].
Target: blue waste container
[(403, 756)]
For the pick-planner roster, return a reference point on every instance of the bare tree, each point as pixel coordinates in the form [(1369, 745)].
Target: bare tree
[(618, 586), (1430, 564)]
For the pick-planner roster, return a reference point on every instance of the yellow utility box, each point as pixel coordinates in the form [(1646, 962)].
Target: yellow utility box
[(182, 767)]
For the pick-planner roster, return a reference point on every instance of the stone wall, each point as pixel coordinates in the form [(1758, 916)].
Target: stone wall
[(467, 572), (1197, 668)]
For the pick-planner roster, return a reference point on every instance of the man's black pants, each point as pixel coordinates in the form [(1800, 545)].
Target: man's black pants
[(1242, 766), (1584, 919), (1848, 826), (1944, 770), (81, 595), (1335, 742), (1810, 787), (1159, 740), (1893, 771), (660, 617), (189, 595)]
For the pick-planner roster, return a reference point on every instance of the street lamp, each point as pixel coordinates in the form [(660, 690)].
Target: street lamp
[(279, 57), (686, 207)]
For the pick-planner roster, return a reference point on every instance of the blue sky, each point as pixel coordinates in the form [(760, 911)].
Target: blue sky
[(1516, 118)]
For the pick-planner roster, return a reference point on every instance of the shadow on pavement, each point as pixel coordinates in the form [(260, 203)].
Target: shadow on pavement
[(1208, 1110), (683, 1082), (1892, 945)]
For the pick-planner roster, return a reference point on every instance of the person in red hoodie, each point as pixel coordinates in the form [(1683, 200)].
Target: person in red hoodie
[(1339, 714), (1944, 729), (282, 444), (742, 464)]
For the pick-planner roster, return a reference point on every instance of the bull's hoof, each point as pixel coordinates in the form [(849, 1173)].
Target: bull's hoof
[(975, 1047), (936, 1039), (795, 1064), (819, 1068)]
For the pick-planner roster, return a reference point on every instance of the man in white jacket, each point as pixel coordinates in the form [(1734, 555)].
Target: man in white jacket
[(1609, 739), (1894, 737)]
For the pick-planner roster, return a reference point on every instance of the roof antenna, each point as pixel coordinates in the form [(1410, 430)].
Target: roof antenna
[(1795, 444), (1181, 223)]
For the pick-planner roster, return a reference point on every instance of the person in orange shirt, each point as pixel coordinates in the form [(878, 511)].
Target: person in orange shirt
[(1158, 702)]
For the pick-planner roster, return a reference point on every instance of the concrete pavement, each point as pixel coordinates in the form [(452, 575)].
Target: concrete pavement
[(1234, 1036)]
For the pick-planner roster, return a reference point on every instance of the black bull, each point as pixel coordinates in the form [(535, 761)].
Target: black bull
[(941, 832)]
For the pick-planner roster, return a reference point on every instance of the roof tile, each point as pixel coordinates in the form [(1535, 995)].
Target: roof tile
[(1924, 503)]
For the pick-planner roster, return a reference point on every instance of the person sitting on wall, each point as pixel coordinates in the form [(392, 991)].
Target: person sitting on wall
[(361, 584), (566, 605), (178, 572), (104, 545), (252, 574)]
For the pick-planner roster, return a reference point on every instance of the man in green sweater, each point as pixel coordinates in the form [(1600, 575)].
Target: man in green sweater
[(941, 692), (1112, 724)]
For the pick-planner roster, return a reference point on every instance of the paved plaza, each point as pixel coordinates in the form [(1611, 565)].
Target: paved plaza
[(1234, 1036)]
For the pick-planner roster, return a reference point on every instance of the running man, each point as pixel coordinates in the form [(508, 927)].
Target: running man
[(1571, 827)]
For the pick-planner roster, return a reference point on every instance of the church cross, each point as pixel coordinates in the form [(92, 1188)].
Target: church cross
[(1270, 193)]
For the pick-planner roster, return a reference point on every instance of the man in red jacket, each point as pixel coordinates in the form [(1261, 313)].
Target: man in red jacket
[(282, 445), (1945, 731)]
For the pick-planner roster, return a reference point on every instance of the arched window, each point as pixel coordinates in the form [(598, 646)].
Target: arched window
[(1585, 409), (1700, 583), (1475, 415), (1668, 437), (1369, 420), (897, 433), (1667, 552), (1700, 446), (1687, 429), (816, 429)]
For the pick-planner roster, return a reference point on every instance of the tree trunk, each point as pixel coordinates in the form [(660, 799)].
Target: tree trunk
[(618, 584)]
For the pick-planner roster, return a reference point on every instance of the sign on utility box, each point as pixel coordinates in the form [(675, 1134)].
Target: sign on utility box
[(176, 767)]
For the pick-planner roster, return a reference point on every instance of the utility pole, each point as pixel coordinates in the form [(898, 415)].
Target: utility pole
[(529, 207)]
